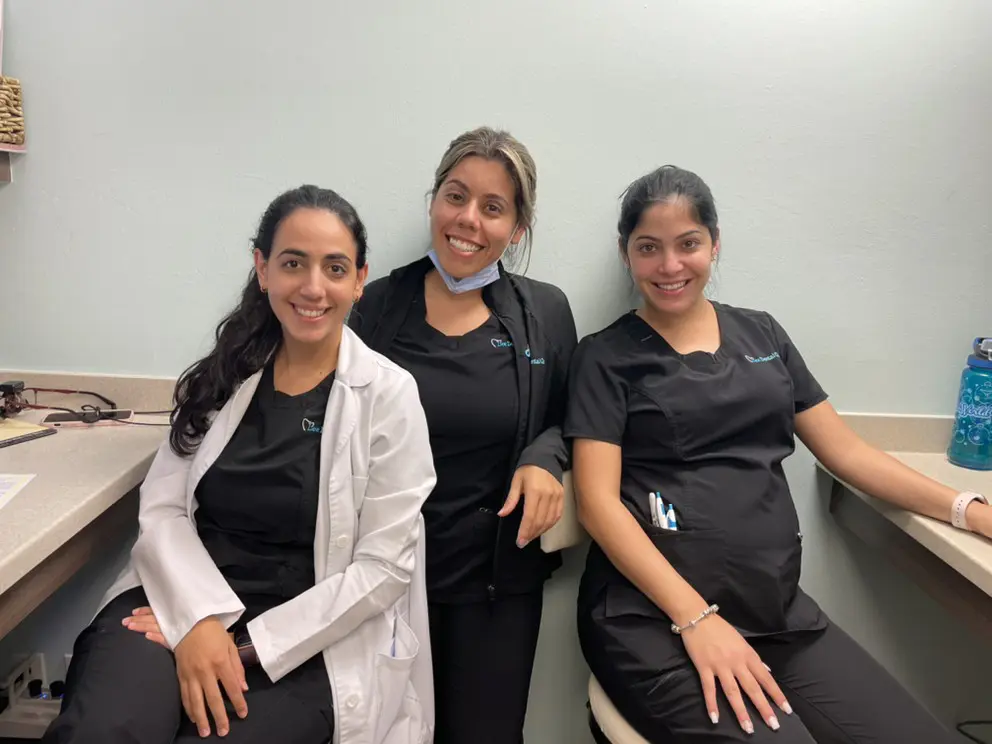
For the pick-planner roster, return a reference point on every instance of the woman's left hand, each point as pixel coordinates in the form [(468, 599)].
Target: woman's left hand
[(142, 620), (544, 501)]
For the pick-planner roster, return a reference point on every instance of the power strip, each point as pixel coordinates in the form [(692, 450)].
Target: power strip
[(27, 717)]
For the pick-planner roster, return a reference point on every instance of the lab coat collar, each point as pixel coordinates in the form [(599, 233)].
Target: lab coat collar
[(356, 362)]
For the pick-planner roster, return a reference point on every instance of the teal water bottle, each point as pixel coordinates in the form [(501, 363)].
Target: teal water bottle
[(971, 442)]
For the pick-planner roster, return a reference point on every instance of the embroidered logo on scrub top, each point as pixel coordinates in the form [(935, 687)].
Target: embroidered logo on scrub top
[(312, 427), (539, 360), (499, 343), (759, 360)]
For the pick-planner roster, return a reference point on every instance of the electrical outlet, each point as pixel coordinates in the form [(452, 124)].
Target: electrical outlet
[(26, 717), (15, 661), (33, 668)]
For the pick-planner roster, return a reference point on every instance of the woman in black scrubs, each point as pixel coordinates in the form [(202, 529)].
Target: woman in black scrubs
[(279, 526), (490, 352), (697, 404)]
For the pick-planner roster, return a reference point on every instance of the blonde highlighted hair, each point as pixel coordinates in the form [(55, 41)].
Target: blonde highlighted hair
[(502, 147)]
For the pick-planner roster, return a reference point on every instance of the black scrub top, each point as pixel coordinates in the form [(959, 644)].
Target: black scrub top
[(468, 388), (257, 512), (709, 432)]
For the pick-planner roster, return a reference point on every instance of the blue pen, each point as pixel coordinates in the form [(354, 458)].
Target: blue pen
[(660, 506), (670, 518)]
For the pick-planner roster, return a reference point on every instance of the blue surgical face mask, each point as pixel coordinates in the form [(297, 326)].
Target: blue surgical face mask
[(478, 280)]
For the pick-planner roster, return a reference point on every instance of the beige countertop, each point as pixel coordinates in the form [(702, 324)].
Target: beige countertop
[(79, 472), (920, 441)]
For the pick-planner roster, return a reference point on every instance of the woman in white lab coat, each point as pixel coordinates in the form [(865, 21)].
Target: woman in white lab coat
[(278, 568)]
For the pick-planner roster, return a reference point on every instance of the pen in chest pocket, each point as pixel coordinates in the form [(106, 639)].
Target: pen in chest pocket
[(662, 516), (670, 518), (659, 509)]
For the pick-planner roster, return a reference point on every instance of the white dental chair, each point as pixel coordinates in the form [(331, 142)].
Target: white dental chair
[(608, 726)]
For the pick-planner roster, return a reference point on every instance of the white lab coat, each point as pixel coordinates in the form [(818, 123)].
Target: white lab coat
[(367, 612)]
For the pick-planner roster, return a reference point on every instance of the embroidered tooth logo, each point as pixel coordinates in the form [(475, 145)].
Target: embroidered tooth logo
[(759, 360)]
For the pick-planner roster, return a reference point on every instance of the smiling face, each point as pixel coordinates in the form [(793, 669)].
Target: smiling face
[(670, 255), (473, 216), (311, 276)]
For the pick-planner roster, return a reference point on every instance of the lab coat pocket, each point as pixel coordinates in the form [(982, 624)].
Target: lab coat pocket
[(699, 556), (408, 728), (393, 685)]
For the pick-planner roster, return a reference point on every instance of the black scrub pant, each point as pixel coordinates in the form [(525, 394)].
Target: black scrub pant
[(122, 688), (483, 656), (839, 694)]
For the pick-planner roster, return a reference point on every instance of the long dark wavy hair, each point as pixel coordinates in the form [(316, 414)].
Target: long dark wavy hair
[(250, 333)]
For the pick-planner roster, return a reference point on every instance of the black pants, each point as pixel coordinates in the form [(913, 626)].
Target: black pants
[(483, 657), (839, 694), (122, 688)]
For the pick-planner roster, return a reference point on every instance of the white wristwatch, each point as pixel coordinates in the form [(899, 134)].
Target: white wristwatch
[(958, 518)]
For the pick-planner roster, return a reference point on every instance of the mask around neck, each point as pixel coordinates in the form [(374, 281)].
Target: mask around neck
[(478, 280)]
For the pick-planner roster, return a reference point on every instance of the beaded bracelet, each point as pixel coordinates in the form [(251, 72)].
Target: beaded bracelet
[(711, 610)]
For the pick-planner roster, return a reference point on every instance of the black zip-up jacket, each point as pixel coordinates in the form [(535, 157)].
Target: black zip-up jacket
[(539, 321)]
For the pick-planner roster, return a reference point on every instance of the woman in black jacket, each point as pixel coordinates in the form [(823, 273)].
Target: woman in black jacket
[(490, 352)]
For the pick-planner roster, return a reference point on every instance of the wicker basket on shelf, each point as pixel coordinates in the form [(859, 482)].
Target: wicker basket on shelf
[(11, 103), (11, 112)]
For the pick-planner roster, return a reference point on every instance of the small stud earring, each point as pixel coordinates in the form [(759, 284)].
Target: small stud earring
[(264, 290)]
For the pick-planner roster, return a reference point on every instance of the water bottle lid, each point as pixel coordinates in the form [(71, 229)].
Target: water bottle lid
[(983, 354)]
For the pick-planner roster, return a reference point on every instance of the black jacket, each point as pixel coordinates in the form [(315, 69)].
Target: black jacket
[(539, 320)]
